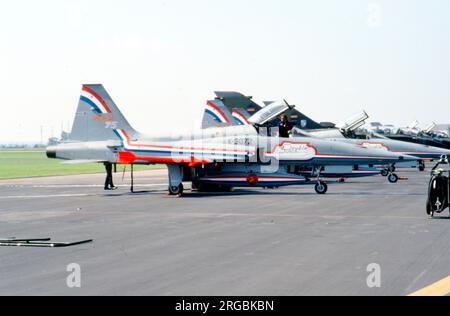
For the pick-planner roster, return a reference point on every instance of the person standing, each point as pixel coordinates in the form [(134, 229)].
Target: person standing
[(109, 185)]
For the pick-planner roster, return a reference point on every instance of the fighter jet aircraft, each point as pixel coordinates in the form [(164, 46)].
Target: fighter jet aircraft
[(345, 131), (425, 136), (230, 156), (234, 110)]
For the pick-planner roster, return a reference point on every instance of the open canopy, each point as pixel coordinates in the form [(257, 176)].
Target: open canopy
[(270, 112)]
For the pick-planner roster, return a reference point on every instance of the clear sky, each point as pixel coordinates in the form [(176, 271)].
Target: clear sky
[(162, 59)]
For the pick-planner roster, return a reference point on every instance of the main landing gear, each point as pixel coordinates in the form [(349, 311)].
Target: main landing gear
[(389, 172), (176, 189), (175, 179)]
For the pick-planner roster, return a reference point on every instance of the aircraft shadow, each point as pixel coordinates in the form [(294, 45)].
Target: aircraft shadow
[(374, 194), (441, 218), (242, 193), (136, 193)]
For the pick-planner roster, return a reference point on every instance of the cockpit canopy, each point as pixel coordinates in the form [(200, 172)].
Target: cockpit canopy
[(270, 112)]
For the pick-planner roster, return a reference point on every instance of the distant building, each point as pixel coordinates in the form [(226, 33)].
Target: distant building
[(55, 141)]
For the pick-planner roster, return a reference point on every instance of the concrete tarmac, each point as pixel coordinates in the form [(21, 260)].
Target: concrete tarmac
[(288, 241)]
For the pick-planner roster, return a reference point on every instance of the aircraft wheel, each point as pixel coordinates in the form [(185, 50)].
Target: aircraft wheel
[(384, 172), (176, 189), (321, 187), (421, 166), (393, 178), (430, 209)]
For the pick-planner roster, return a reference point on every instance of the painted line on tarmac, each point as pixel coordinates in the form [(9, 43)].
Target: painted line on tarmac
[(440, 288), (56, 186), (95, 185), (42, 196)]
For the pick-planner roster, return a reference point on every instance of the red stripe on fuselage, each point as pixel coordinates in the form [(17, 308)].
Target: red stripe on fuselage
[(126, 157), (180, 148)]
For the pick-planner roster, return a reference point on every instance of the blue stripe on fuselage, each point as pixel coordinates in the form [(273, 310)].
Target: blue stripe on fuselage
[(185, 152)]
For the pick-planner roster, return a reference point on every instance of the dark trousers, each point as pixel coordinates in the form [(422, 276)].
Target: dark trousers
[(109, 177)]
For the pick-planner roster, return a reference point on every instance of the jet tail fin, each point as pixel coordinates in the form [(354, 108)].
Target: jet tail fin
[(302, 121), (98, 116), (217, 114)]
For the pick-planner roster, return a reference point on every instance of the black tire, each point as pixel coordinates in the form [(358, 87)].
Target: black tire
[(428, 208), (393, 178), (384, 172), (176, 190), (421, 166), (321, 187)]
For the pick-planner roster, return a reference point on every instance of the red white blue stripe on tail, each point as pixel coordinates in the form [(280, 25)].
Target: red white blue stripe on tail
[(216, 113), (96, 102), (240, 118)]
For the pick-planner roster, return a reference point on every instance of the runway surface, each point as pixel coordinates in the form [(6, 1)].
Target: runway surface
[(288, 241)]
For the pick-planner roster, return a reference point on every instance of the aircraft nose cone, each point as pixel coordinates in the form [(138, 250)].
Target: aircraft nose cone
[(51, 152)]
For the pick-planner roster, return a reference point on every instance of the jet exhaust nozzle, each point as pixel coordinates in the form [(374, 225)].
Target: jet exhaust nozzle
[(51, 152)]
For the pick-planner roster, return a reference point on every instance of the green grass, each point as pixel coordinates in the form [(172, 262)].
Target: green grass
[(41, 149), (22, 155), (16, 165)]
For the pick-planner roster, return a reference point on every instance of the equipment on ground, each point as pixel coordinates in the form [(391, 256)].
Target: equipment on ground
[(438, 189), (39, 242)]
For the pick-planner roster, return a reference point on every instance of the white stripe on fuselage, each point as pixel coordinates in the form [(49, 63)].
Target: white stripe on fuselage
[(212, 151)]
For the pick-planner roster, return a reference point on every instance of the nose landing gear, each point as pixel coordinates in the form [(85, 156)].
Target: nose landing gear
[(389, 172), (321, 187), (421, 165), (393, 178)]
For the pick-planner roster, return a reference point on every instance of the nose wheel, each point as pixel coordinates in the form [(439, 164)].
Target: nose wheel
[(393, 178), (421, 165), (321, 187)]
